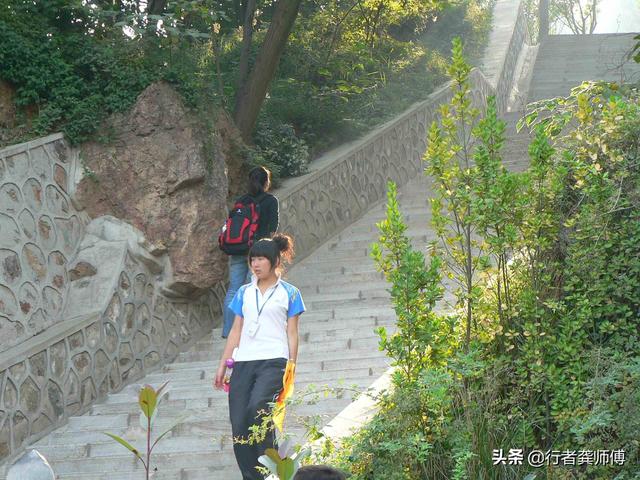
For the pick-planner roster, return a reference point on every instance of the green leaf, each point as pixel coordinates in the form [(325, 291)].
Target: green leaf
[(148, 400), (272, 453), (267, 462), (125, 444), (286, 469)]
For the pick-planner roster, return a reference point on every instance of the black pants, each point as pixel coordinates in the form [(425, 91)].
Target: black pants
[(253, 385)]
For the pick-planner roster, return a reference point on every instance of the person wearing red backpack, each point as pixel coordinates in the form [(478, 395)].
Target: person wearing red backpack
[(254, 216)]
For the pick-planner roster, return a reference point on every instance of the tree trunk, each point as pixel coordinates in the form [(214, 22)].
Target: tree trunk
[(156, 7), (543, 13), (247, 35), (250, 98)]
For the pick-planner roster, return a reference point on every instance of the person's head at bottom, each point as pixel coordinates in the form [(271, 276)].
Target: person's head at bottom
[(319, 472)]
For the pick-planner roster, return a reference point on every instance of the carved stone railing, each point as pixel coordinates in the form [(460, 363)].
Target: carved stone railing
[(346, 182), (508, 37), (81, 312)]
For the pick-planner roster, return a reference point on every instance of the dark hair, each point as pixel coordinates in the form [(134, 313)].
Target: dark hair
[(279, 246), (319, 472), (259, 180)]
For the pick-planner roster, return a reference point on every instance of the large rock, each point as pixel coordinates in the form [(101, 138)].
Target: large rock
[(165, 175)]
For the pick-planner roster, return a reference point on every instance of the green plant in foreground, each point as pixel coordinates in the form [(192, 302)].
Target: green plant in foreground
[(424, 338), (148, 399), (282, 462)]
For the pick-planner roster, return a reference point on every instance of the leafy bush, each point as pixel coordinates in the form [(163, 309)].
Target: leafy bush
[(548, 356), (278, 145)]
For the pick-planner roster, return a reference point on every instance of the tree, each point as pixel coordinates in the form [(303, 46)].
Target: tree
[(578, 15), (253, 92)]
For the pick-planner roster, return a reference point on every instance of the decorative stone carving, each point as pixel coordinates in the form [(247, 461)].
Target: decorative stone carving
[(58, 359), (5, 437), (55, 401), (10, 269), (76, 341), (38, 365), (29, 396), (10, 198), (82, 364), (126, 326), (28, 224), (29, 298), (81, 270), (32, 192), (18, 166), (20, 428), (10, 395), (87, 392), (111, 337), (92, 335), (72, 387), (35, 266), (10, 237)]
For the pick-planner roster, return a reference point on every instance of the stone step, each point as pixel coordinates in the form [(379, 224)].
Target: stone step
[(208, 473), (227, 472), (340, 284), (129, 464)]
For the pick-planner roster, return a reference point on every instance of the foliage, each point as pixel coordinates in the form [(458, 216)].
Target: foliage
[(283, 462), (148, 400), (553, 362), (579, 16), (62, 72), (278, 145), (348, 66), (423, 339)]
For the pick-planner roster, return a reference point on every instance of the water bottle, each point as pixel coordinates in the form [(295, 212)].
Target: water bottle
[(227, 375)]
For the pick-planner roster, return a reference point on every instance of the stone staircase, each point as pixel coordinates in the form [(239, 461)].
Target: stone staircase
[(346, 300), (564, 61)]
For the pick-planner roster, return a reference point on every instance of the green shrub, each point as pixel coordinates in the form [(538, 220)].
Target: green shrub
[(552, 360), (278, 145)]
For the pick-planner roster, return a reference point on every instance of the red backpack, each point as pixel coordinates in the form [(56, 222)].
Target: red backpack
[(236, 236)]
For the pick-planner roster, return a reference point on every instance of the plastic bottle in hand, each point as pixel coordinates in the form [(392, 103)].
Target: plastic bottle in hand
[(227, 375)]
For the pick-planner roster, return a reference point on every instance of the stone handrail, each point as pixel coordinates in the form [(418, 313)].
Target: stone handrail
[(344, 185)]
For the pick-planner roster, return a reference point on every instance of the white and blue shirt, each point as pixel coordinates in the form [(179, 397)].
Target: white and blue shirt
[(264, 331)]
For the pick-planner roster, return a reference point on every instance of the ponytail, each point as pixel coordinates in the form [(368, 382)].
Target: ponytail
[(284, 243)]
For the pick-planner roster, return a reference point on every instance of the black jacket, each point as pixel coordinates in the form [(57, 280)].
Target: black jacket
[(269, 218)]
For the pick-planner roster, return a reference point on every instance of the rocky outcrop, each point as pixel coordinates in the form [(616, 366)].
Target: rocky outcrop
[(165, 175)]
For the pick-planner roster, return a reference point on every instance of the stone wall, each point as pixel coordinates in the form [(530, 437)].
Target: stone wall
[(346, 182), (508, 37), (81, 307), (39, 232)]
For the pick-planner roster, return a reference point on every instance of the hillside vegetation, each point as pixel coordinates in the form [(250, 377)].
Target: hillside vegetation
[(347, 66)]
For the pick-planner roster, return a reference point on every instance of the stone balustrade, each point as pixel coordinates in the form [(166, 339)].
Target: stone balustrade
[(81, 308)]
